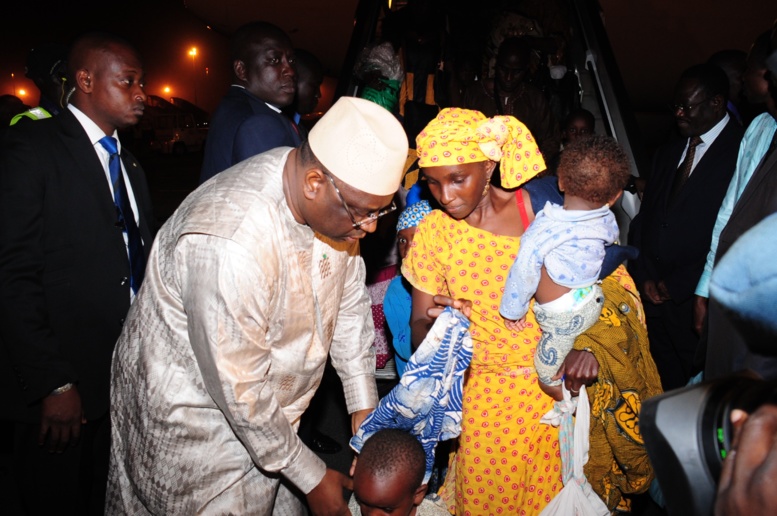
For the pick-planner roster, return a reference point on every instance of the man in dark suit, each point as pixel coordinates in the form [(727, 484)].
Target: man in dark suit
[(674, 226), (75, 232), (249, 121), (728, 350)]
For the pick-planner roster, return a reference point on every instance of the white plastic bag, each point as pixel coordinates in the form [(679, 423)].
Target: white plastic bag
[(577, 498)]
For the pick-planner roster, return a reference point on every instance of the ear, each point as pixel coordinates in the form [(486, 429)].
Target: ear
[(560, 184), (239, 69), (718, 102), (313, 183), (489, 167), (419, 494), (84, 81)]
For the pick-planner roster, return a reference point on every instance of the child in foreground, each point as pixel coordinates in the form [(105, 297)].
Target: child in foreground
[(561, 252), (388, 477), (397, 302)]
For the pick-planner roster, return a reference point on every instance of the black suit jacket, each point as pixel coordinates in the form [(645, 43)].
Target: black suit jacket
[(674, 238), (243, 126), (64, 288)]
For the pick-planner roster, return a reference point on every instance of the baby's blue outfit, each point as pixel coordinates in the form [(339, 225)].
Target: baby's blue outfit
[(571, 244)]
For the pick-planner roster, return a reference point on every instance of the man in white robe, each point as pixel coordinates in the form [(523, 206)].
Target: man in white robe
[(253, 281)]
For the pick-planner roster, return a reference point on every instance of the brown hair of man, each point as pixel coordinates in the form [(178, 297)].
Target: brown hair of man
[(595, 169)]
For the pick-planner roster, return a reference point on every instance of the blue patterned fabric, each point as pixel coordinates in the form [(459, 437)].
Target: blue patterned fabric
[(413, 214), (427, 400)]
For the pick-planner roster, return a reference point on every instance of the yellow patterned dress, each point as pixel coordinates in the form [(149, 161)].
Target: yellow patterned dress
[(507, 461)]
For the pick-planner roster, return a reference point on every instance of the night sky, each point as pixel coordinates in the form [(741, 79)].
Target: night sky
[(653, 40), (162, 30)]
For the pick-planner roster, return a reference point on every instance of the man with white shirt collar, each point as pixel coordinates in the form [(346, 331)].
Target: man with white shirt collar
[(248, 121), (674, 227), (74, 237)]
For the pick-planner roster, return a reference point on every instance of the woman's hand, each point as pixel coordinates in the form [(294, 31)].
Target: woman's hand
[(579, 368), (441, 302)]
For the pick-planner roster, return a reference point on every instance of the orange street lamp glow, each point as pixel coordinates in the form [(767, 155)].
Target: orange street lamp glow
[(22, 93), (167, 89), (193, 53)]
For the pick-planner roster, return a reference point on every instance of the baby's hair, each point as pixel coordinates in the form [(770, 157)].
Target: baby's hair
[(594, 169), (390, 451)]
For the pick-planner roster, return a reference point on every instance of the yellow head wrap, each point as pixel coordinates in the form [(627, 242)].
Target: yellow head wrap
[(459, 136)]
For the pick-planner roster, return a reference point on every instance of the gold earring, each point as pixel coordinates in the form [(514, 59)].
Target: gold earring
[(488, 185)]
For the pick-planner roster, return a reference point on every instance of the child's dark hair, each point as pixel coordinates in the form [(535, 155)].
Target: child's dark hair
[(594, 169), (391, 451)]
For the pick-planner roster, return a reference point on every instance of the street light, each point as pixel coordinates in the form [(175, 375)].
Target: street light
[(193, 53)]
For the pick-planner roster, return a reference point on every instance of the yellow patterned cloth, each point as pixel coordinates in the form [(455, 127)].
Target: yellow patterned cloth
[(618, 463), (459, 136), (507, 462)]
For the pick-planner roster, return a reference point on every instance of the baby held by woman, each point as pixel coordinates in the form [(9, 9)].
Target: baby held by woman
[(561, 253)]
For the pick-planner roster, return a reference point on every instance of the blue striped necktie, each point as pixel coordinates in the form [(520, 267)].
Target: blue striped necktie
[(137, 257)]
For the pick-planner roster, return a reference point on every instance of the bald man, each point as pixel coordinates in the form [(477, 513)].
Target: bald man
[(73, 244)]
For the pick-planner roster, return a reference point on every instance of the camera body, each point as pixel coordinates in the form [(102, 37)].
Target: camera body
[(688, 433)]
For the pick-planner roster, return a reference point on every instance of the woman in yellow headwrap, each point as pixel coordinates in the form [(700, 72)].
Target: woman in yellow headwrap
[(507, 461)]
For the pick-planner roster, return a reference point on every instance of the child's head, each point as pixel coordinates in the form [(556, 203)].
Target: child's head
[(407, 223), (595, 169), (579, 124), (388, 474)]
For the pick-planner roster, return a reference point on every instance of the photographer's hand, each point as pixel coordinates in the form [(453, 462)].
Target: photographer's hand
[(750, 471)]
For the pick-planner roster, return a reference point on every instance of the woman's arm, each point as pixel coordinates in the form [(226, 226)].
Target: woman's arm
[(420, 321), (426, 308)]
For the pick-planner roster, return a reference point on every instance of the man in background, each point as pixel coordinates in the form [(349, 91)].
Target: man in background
[(75, 230), (46, 67), (673, 229), (310, 76), (248, 121), (727, 350)]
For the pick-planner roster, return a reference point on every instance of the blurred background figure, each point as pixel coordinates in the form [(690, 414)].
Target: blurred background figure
[(380, 73), (310, 76), (10, 106), (509, 93), (578, 124), (732, 62), (46, 67)]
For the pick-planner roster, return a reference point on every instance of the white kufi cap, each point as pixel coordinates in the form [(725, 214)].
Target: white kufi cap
[(362, 144)]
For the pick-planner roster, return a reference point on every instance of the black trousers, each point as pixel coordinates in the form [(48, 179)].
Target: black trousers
[(673, 341), (71, 482)]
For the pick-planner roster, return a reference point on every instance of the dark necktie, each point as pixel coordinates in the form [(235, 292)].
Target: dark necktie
[(137, 257), (684, 170)]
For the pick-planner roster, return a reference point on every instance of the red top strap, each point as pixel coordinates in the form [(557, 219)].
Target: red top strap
[(522, 208)]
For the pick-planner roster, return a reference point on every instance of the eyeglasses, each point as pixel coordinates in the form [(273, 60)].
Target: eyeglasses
[(371, 217), (686, 108)]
